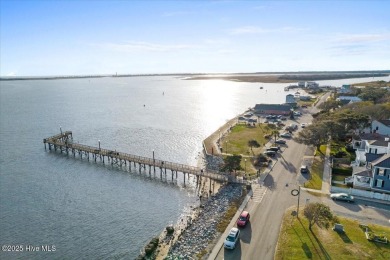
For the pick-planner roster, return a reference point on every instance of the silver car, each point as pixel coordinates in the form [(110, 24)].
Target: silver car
[(342, 196), (232, 238)]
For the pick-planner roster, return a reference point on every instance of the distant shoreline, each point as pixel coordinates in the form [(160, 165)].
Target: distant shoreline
[(264, 77)]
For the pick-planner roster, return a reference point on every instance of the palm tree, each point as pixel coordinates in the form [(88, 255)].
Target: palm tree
[(253, 143)]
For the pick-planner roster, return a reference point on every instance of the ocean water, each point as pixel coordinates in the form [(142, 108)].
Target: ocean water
[(88, 210)]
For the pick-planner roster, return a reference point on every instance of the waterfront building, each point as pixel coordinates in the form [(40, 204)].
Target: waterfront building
[(272, 109)]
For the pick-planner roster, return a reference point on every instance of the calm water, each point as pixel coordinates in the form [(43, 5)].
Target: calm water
[(89, 210)]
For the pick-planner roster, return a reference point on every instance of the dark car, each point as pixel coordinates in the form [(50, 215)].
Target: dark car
[(280, 141), (304, 169), (270, 153), (243, 219), (274, 148)]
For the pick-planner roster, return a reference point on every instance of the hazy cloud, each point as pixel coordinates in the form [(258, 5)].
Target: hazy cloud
[(146, 46), (365, 38), (259, 30)]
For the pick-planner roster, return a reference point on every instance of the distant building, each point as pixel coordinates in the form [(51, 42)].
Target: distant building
[(345, 89), (290, 98), (312, 85), (272, 109), (301, 84), (305, 98), (348, 99)]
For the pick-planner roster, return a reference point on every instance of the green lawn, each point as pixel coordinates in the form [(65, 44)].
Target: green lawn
[(296, 241), (316, 173), (236, 142)]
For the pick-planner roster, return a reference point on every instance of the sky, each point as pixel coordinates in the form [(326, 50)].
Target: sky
[(50, 38)]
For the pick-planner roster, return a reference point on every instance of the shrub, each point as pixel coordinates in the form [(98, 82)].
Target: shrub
[(342, 171)]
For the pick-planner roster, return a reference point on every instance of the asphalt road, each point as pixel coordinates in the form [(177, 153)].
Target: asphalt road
[(259, 238)]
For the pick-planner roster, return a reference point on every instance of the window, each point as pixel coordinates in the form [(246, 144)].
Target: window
[(377, 128), (379, 183), (381, 172)]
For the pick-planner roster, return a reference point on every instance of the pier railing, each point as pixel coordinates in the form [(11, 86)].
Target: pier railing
[(64, 143)]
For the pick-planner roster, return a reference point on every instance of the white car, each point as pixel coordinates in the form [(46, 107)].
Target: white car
[(232, 238), (303, 125)]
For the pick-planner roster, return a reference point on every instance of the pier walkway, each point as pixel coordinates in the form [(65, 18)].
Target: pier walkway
[(63, 142)]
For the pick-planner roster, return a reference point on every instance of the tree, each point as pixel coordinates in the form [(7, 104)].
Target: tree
[(318, 213), (253, 143), (329, 105), (372, 94), (314, 134), (232, 163), (275, 134)]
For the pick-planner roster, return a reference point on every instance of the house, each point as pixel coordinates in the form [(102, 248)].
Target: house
[(381, 127), (272, 109), (345, 89), (305, 98), (312, 85), (376, 178), (301, 84), (349, 99), (290, 98), (381, 174), (369, 147)]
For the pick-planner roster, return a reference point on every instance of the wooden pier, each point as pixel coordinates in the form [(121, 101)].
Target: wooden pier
[(63, 142)]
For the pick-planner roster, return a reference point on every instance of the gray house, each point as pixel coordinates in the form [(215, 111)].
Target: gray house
[(381, 174)]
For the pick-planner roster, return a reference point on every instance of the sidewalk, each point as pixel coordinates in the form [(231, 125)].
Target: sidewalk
[(327, 172)]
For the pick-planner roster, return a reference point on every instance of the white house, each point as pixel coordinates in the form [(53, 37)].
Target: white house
[(370, 147), (290, 99)]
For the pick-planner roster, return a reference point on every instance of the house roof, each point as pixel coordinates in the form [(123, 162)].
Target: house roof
[(263, 107), (378, 143), (373, 136), (345, 101), (370, 157), (352, 98), (383, 162), (386, 122), (365, 173)]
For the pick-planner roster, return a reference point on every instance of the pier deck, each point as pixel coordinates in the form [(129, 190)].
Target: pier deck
[(64, 143)]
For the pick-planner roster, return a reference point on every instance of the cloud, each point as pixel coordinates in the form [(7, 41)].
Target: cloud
[(357, 38), (145, 46), (259, 30), (358, 44)]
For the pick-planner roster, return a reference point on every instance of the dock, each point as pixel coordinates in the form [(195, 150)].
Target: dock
[(63, 143)]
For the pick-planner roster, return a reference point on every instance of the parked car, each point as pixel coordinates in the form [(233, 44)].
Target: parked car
[(286, 135), (270, 153), (280, 141), (342, 196), (303, 125), (274, 148), (232, 238), (283, 118), (243, 219), (304, 169), (304, 106)]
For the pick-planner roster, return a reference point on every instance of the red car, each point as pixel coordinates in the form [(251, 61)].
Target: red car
[(243, 219)]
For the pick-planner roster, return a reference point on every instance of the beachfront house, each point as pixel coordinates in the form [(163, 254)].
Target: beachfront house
[(272, 109), (348, 99), (301, 84), (345, 89), (290, 99), (312, 85)]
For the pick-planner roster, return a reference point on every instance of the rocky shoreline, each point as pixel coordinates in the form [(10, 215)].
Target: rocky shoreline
[(202, 230)]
